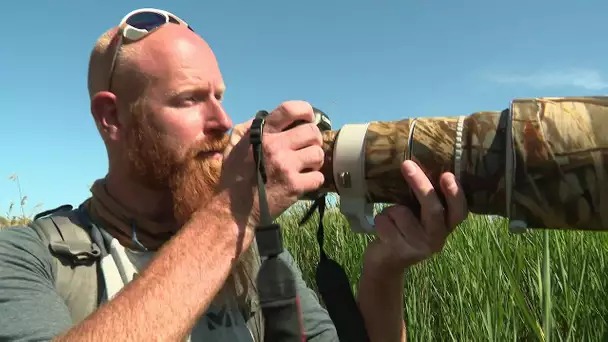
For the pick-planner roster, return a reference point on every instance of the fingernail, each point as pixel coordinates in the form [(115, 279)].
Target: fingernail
[(452, 186), (410, 168)]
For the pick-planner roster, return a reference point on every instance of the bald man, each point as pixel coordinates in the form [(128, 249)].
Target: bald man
[(180, 194)]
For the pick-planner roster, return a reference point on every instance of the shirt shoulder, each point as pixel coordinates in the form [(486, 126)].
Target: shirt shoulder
[(31, 307)]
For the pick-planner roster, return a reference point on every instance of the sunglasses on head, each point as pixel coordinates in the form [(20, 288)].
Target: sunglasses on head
[(138, 24)]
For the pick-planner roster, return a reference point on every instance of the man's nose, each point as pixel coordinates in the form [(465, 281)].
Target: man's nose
[(217, 120)]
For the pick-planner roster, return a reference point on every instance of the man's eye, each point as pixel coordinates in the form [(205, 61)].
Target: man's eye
[(188, 100)]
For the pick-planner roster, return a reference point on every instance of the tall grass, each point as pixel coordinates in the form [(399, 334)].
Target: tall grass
[(486, 285), (11, 218)]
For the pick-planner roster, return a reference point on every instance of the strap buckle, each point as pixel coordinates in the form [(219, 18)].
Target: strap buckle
[(270, 239), (78, 252), (255, 137)]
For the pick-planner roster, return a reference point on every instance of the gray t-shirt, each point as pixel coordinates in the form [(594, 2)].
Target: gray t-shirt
[(32, 310)]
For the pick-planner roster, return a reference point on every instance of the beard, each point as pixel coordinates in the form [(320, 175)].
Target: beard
[(190, 178)]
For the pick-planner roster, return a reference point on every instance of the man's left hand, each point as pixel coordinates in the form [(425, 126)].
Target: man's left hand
[(404, 240)]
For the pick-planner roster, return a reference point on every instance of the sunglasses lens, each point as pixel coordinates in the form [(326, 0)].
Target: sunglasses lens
[(173, 20), (146, 20)]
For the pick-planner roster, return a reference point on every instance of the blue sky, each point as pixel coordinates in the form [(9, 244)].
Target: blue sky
[(356, 60)]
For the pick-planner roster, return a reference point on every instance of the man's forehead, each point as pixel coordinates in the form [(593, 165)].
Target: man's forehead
[(176, 56), (196, 76)]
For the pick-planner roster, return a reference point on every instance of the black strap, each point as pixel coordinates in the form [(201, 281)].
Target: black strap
[(335, 289), (280, 305), (276, 283)]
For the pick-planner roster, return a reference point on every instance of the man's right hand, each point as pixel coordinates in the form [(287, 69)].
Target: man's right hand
[(292, 160)]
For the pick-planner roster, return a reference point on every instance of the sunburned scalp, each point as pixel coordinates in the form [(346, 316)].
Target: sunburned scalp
[(166, 57)]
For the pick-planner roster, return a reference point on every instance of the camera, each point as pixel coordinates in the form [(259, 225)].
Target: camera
[(541, 163)]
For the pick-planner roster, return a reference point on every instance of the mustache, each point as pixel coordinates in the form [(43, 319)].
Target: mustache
[(215, 143)]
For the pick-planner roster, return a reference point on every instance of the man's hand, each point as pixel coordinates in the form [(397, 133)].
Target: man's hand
[(292, 160), (403, 241)]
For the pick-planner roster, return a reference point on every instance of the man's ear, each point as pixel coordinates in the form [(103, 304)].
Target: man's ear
[(105, 113)]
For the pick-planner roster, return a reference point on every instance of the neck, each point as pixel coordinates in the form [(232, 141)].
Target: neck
[(138, 199)]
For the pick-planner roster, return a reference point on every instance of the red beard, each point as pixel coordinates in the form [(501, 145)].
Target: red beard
[(190, 179)]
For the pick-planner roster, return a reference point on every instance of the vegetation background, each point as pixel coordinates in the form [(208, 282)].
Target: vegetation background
[(487, 284)]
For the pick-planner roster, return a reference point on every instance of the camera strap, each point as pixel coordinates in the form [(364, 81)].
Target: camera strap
[(334, 287), (276, 284), (280, 302)]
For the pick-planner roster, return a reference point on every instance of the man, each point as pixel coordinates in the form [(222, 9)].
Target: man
[(180, 194)]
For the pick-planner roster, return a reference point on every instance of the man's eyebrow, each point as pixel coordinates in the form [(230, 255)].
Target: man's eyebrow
[(220, 89)]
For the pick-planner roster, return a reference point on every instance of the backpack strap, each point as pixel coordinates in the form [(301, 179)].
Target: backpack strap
[(75, 259), (76, 264)]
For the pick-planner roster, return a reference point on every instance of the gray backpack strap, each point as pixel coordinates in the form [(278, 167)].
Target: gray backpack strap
[(75, 256), (253, 313)]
